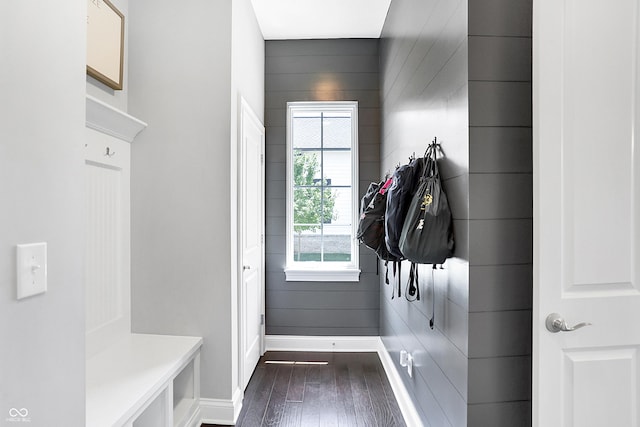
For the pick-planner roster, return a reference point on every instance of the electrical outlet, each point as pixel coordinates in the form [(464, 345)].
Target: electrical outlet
[(403, 357)]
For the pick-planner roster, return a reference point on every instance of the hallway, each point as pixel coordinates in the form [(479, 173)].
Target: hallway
[(351, 389)]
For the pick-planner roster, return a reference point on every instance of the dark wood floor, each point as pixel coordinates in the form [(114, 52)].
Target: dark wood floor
[(351, 390)]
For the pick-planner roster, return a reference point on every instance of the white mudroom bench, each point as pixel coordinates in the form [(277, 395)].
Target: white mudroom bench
[(145, 380)]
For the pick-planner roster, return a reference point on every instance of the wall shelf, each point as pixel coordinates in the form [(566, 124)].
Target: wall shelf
[(107, 119)]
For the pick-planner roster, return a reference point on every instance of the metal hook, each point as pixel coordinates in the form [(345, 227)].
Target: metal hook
[(109, 153)]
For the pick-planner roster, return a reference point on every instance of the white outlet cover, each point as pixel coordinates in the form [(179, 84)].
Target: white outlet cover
[(31, 269)]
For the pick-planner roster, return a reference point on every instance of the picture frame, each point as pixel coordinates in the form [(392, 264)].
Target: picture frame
[(105, 43)]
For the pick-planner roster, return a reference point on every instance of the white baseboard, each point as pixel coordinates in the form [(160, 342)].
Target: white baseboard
[(408, 409), (195, 420), (355, 344), (221, 411), (309, 343)]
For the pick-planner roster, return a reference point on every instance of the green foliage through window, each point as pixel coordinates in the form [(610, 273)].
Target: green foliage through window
[(313, 202)]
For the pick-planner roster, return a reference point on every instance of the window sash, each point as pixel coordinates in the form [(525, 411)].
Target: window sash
[(325, 269)]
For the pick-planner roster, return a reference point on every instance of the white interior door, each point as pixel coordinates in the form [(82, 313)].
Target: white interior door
[(586, 213), (251, 241)]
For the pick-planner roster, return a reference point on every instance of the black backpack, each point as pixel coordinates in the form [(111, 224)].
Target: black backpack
[(404, 186), (427, 234), (373, 207), (372, 213)]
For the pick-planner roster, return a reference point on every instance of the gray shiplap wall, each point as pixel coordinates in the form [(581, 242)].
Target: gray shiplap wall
[(424, 67), (462, 71), (500, 213), (318, 70)]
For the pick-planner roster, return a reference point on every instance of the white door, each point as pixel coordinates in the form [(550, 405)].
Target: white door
[(586, 213), (251, 241)]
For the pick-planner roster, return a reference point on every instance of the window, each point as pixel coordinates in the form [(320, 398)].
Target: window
[(322, 193)]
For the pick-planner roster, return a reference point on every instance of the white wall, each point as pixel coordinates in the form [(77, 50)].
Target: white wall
[(179, 76), (183, 84), (42, 81), (247, 81)]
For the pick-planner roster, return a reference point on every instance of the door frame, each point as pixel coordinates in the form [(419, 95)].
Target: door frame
[(577, 298), (247, 113)]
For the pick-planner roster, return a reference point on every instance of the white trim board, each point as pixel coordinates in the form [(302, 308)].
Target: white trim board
[(309, 343), (355, 344), (195, 420), (221, 411), (107, 119)]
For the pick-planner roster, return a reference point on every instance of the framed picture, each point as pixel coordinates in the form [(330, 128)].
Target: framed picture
[(105, 43)]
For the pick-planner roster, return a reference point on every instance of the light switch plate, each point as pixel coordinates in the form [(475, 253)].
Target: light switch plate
[(31, 269)]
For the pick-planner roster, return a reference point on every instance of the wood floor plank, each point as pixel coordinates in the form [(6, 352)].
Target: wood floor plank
[(254, 414), (352, 390), (292, 415), (379, 401), (251, 391), (296, 384), (314, 374), (328, 401), (391, 397), (361, 398), (344, 406), (310, 416), (275, 408)]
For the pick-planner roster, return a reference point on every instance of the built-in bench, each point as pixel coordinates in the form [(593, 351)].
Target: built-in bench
[(145, 381)]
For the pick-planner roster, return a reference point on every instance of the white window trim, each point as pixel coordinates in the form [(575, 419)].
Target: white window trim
[(312, 271)]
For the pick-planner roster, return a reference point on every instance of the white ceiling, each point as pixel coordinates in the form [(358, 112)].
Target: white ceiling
[(320, 19)]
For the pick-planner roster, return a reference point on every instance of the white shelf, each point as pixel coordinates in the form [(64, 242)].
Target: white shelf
[(126, 378), (107, 119)]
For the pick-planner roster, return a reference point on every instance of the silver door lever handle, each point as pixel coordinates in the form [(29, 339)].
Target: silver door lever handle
[(555, 323)]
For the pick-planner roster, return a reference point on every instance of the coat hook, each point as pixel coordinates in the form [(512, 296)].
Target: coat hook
[(109, 153)]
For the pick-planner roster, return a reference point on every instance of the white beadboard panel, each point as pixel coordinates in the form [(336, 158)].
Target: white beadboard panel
[(104, 245), (107, 225)]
